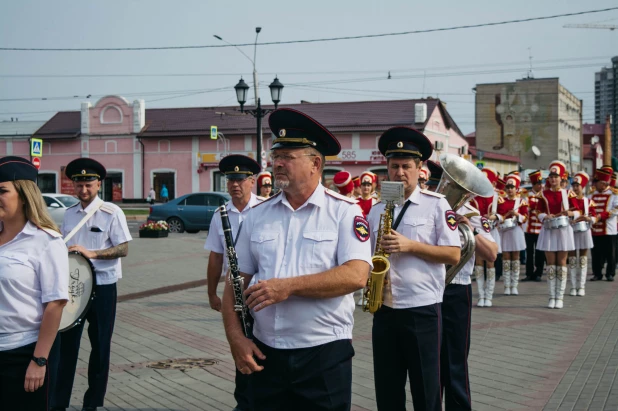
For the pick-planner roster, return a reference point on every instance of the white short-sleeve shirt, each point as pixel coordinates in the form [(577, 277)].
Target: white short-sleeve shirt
[(415, 282), (215, 241), (34, 270), (105, 229), (277, 241), (463, 276)]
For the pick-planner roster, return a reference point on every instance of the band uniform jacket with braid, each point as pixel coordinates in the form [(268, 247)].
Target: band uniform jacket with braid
[(578, 206), (534, 225), (507, 205), (605, 204), (550, 202)]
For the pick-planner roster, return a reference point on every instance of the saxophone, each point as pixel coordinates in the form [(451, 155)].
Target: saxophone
[(373, 293)]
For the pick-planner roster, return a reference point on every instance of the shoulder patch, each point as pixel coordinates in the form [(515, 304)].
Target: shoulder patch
[(451, 221), (485, 224), (339, 196), (51, 232), (361, 228), (431, 193), (109, 208), (267, 200)]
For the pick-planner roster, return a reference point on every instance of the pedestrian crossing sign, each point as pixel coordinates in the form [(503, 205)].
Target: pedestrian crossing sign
[(36, 147), (213, 132)]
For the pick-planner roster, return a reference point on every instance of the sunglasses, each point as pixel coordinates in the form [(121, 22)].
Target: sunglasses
[(365, 184), (266, 185)]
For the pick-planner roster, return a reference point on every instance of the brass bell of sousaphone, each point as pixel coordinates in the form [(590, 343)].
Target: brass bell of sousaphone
[(460, 181)]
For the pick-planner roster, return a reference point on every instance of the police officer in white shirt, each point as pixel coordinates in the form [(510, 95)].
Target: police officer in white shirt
[(457, 306), (34, 282), (240, 174), (103, 239), (407, 329), (304, 251)]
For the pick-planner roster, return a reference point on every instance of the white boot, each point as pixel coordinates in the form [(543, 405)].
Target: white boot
[(583, 272), (506, 274), (515, 267), (561, 280), (551, 285), (480, 282), (491, 284), (573, 274)]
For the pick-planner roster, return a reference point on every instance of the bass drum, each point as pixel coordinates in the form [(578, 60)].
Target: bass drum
[(81, 291)]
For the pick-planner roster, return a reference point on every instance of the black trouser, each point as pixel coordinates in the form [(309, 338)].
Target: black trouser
[(498, 266), (13, 366), (535, 259), (456, 317), (311, 379), (101, 316), (242, 392), (406, 343), (603, 251)]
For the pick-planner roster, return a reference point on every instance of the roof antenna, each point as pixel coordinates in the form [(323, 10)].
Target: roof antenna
[(389, 75), (530, 74)]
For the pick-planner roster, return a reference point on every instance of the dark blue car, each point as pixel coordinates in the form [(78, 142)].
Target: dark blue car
[(190, 213)]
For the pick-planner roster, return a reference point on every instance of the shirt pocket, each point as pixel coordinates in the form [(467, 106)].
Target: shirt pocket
[(264, 243), (14, 265), (319, 249), (416, 228)]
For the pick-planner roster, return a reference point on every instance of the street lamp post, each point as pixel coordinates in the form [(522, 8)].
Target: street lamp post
[(241, 95)]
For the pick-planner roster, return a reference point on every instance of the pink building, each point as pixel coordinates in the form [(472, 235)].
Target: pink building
[(148, 148)]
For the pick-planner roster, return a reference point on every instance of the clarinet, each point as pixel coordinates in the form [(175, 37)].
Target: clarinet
[(236, 280)]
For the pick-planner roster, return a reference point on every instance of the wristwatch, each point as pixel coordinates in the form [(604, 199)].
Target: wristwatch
[(40, 361)]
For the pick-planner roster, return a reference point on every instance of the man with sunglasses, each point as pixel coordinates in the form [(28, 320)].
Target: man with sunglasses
[(239, 171), (302, 254)]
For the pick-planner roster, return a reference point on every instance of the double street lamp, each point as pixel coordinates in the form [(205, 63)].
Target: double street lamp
[(242, 88)]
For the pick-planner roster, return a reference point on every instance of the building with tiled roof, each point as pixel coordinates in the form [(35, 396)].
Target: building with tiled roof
[(143, 148)]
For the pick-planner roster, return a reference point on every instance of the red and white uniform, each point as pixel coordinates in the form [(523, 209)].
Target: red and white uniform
[(534, 224), (513, 239), (366, 204), (488, 206), (557, 239), (604, 203), (582, 207)]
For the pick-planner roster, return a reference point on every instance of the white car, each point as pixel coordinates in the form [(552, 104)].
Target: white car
[(57, 205)]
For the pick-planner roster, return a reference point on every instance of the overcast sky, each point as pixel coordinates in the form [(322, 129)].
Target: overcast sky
[(430, 64)]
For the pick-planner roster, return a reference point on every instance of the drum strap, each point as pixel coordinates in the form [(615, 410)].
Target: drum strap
[(586, 206), (494, 204), (517, 204), (82, 222), (565, 199)]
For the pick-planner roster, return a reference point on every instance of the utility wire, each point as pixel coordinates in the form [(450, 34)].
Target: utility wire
[(402, 33)]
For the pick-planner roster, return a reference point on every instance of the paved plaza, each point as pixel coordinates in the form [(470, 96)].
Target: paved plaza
[(523, 355)]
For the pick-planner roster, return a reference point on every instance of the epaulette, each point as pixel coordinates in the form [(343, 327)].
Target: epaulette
[(572, 194), (109, 208), (431, 193), (501, 193), (339, 196), (267, 200), (500, 199), (471, 208), (51, 232)]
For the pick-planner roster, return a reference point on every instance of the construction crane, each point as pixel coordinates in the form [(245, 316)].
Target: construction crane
[(590, 26)]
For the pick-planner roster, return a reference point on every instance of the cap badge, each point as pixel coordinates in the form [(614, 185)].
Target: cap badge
[(236, 168), (83, 171), (282, 132), (400, 144)]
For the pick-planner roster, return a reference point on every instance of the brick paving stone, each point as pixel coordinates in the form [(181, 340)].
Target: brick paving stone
[(523, 356)]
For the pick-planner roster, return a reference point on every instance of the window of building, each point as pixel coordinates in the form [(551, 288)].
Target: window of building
[(47, 182)]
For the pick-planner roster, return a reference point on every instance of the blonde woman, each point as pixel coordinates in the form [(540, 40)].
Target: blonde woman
[(34, 270)]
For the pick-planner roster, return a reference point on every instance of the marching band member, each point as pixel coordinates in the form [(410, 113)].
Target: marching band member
[(488, 207), (604, 230), (357, 187), (406, 330), (583, 210), (535, 258), (239, 172), (104, 239), (343, 181), (555, 241), (457, 307), (367, 198), (423, 176), (304, 252), (513, 240), (265, 183), (34, 283)]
